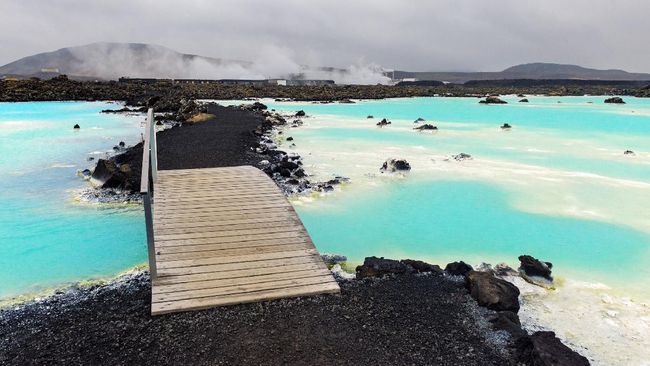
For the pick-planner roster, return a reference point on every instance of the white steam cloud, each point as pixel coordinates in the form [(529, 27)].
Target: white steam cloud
[(115, 60)]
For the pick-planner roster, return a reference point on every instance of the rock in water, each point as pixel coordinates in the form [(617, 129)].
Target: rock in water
[(426, 127), (492, 292), (394, 165), (506, 126), (383, 122), (458, 268), (525, 100), (615, 100), (545, 349), (300, 113), (462, 156), (108, 175), (628, 152), (370, 116), (493, 100), (532, 267), (420, 119), (76, 127)]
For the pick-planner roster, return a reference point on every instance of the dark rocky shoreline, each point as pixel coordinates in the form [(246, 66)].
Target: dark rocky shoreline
[(396, 312)]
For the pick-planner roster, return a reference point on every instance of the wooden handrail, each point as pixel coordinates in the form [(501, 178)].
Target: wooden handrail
[(148, 177)]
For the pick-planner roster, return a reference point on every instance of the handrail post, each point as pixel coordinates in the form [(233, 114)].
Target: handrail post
[(149, 173), (154, 146)]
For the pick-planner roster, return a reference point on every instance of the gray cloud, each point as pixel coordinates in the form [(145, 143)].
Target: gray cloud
[(416, 35)]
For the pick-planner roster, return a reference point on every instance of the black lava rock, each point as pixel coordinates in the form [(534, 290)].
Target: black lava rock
[(492, 292), (458, 268), (534, 267), (545, 349)]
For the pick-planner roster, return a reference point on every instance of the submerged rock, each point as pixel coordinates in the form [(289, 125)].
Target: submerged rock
[(493, 100), (462, 156), (426, 127), (615, 100), (545, 349), (532, 267), (492, 292), (346, 101), (370, 116), (420, 119), (394, 165), (458, 268)]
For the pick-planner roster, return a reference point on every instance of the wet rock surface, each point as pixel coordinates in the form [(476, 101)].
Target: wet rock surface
[(405, 320)]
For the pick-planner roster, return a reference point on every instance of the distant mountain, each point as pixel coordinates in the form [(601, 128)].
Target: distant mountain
[(528, 71), (113, 60)]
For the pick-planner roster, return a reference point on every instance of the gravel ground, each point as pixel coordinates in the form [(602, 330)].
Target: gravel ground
[(405, 320)]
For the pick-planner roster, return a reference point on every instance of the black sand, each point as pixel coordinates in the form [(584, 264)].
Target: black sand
[(406, 320)]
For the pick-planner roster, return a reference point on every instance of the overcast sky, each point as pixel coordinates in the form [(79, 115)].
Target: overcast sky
[(445, 35)]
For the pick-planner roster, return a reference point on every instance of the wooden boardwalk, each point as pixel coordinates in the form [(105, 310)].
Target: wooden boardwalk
[(224, 236)]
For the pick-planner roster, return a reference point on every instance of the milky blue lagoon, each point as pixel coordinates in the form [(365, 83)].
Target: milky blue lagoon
[(556, 186), (47, 237)]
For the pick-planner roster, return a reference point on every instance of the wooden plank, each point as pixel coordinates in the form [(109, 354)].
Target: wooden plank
[(246, 280), (282, 262), (290, 233), (235, 259), (233, 212), (237, 273), (208, 302), (241, 288), (289, 222), (253, 216), (167, 257), (228, 205), (226, 233), (242, 197), (163, 250), (225, 221)]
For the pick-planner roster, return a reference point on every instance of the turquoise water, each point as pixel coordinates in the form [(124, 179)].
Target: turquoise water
[(557, 186), (47, 237)]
